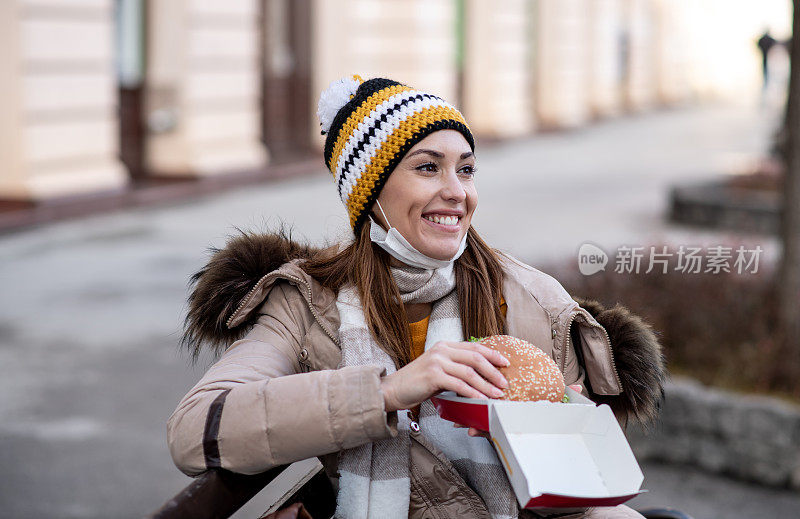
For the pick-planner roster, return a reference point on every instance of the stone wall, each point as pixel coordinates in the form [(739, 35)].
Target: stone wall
[(753, 438)]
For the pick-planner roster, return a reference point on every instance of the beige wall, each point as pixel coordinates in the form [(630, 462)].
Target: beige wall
[(562, 57), (498, 88), (202, 87), (672, 52), (528, 64), (58, 131), (372, 39), (605, 66), (639, 90)]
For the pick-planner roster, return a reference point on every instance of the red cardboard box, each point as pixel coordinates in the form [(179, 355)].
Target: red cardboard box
[(555, 455)]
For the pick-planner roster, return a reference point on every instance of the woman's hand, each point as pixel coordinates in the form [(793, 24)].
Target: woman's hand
[(485, 434), (468, 368)]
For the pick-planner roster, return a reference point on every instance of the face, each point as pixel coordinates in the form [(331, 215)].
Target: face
[(430, 196)]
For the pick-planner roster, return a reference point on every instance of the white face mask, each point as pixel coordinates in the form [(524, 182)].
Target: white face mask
[(394, 243)]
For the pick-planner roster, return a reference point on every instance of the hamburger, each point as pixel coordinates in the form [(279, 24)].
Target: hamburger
[(532, 375)]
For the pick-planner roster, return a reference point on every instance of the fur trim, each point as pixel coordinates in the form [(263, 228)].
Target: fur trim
[(217, 289), (639, 361)]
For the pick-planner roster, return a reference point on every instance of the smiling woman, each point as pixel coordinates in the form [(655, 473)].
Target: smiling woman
[(430, 197), (335, 353)]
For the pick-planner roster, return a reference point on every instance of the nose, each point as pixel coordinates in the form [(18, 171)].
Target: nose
[(452, 188)]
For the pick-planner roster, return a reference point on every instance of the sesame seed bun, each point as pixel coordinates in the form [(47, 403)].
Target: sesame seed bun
[(532, 374)]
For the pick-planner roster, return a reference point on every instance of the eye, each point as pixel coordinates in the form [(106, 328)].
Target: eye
[(428, 166), (468, 170)]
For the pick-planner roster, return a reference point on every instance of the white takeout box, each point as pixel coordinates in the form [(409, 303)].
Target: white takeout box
[(555, 455)]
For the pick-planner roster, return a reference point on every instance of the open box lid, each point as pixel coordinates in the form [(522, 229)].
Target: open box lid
[(555, 455), (564, 455)]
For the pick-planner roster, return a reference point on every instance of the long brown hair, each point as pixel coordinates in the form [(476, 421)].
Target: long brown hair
[(479, 283)]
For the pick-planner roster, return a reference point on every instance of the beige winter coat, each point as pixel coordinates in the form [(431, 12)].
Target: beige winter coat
[(276, 396)]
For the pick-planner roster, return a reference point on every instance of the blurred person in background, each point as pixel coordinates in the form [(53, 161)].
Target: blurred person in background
[(334, 353), (765, 44)]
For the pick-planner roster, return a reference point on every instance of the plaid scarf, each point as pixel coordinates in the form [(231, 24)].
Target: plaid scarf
[(374, 478)]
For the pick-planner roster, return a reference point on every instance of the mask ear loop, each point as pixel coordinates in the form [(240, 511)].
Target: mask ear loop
[(384, 214)]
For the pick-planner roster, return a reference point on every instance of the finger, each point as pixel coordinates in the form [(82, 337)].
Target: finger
[(471, 377), (480, 364), (576, 387), (461, 388), (477, 432), (495, 357)]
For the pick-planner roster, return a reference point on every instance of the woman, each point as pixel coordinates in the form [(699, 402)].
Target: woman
[(335, 353)]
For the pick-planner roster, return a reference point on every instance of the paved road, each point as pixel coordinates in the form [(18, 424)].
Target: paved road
[(91, 309), (705, 496)]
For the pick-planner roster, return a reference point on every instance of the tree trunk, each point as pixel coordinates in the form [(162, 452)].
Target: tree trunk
[(789, 273)]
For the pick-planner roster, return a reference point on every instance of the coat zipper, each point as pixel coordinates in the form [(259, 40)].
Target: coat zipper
[(246, 298), (307, 298), (611, 355), (569, 343), (311, 307)]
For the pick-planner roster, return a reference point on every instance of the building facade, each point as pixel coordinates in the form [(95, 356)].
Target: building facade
[(105, 94)]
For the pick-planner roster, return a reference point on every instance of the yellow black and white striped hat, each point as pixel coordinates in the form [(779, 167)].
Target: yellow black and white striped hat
[(370, 126)]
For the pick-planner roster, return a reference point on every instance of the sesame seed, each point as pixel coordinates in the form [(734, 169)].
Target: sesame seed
[(532, 375)]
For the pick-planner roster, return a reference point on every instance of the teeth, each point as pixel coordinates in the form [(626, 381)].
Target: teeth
[(444, 220)]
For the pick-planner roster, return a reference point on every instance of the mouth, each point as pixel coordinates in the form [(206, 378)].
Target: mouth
[(450, 222)]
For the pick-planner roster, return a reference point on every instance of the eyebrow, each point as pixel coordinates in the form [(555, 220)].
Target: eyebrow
[(439, 155)]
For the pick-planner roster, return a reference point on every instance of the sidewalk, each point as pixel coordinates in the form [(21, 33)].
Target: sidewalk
[(92, 308)]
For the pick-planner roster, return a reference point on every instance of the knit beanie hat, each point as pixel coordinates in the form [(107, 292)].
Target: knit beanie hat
[(370, 126)]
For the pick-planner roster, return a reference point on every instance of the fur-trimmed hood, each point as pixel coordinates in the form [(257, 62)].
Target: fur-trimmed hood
[(217, 289), (226, 280), (639, 359)]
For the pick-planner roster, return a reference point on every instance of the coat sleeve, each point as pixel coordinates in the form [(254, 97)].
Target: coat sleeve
[(254, 409)]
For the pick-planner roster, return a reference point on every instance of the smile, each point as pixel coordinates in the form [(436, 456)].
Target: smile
[(442, 220)]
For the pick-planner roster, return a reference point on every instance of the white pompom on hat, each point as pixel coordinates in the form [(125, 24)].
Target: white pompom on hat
[(333, 99)]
